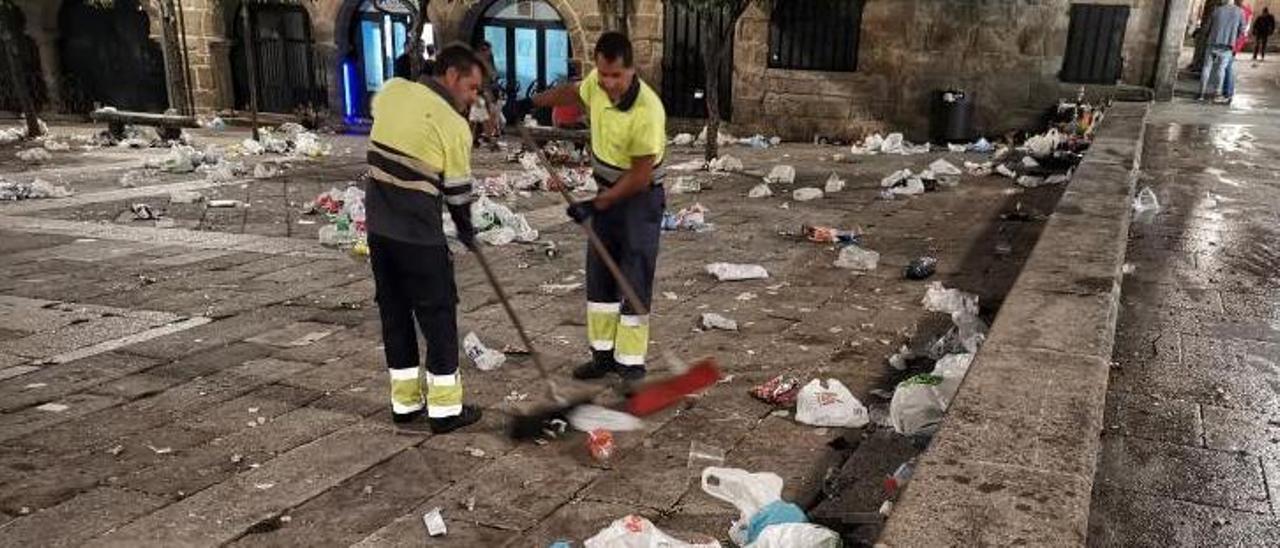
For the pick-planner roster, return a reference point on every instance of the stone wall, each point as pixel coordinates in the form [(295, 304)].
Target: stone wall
[(1008, 53)]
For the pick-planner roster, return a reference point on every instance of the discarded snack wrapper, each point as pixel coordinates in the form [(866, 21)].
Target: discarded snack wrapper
[(781, 390), (828, 235), (921, 268), (600, 445), (434, 522)]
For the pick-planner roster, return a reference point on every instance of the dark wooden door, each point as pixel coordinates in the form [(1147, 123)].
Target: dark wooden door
[(683, 73)]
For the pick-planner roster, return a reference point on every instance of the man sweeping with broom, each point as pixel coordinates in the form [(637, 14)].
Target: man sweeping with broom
[(628, 141), (420, 161)]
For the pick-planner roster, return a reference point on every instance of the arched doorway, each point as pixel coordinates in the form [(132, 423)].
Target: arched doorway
[(530, 42), (108, 57), (378, 33), (27, 57), (287, 78)]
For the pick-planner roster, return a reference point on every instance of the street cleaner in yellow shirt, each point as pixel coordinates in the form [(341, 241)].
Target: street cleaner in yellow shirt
[(419, 163), (628, 142)]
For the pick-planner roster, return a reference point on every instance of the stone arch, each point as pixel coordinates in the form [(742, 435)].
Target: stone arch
[(342, 14), (570, 17)]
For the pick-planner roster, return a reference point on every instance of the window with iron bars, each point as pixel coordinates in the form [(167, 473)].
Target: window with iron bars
[(817, 35)]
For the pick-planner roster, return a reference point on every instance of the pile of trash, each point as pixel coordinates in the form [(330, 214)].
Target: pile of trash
[(12, 135), (36, 189), (34, 155), (496, 224), (344, 210), (723, 138), (691, 219), (894, 143), (904, 182), (290, 138)]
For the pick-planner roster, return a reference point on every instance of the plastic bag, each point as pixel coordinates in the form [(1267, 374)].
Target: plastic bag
[(683, 139), (805, 194), (686, 185), (857, 258), (725, 163), (834, 184), (940, 299), (782, 174), (1146, 201), (728, 272), (944, 168), (589, 417), (760, 191), (711, 320), (781, 390), (913, 186), (35, 156), (485, 358), (894, 178), (637, 532), (831, 405), (951, 369), (917, 405), (747, 492), (797, 535)]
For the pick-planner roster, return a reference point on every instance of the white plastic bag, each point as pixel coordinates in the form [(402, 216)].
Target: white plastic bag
[(831, 405), (711, 320), (745, 491), (944, 168), (940, 299), (728, 272), (952, 369), (834, 184), (725, 163), (760, 191), (782, 174), (917, 405), (1146, 201), (485, 358), (637, 532), (797, 535), (857, 258), (805, 194)]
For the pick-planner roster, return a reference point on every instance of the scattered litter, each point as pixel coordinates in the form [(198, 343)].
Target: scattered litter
[(1029, 162), (781, 174), (834, 184), (53, 407), (712, 320), (729, 272), (828, 235), (745, 296), (758, 499), (893, 144), (944, 168), (1005, 171), (686, 185), (692, 218), (957, 148), (682, 139), (938, 298), (781, 390), (35, 156), (691, 165), (36, 189), (485, 358), (160, 450), (600, 445), (1058, 178), (857, 258), (586, 418), (898, 361), (913, 186), (670, 296), (895, 482), (982, 145), (806, 194), (760, 191), (920, 402), (726, 164), (1030, 181), (1145, 202), (921, 268), (559, 289), (266, 170), (435, 523), (1128, 268), (475, 452), (489, 216), (894, 178), (225, 203), (831, 405), (1042, 145), (702, 455), (637, 532), (143, 212), (979, 170)]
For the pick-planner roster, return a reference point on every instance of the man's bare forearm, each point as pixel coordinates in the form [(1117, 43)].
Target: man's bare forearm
[(559, 96)]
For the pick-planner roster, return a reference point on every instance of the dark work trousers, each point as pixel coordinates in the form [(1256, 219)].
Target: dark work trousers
[(416, 282), (1260, 46), (631, 231)]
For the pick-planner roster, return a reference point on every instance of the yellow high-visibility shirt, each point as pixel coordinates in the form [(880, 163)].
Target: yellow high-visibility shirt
[(636, 126)]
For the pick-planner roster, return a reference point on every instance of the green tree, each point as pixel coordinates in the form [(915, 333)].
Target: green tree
[(715, 46)]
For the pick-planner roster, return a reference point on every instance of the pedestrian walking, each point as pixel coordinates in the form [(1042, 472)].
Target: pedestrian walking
[(1226, 25), (1263, 27), (419, 163), (628, 145)]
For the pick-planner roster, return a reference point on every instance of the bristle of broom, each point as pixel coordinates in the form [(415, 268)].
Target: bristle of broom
[(660, 395)]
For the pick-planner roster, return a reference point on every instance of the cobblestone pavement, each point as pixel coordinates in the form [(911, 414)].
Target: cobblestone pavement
[(1192, 440), (221, 381)]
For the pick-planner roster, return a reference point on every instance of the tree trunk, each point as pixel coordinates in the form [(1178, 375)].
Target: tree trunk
[(415, 41), (713, 58), (21, 88)]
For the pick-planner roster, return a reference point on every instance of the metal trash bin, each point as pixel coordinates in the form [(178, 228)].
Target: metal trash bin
[(951, 117)]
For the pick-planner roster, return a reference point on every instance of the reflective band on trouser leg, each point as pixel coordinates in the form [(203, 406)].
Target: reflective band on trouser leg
[(406, 390), (602, 324), (444, 395), (632, 341)]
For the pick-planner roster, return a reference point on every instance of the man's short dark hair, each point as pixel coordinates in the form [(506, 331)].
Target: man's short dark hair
[(484, 44), (457, 56), (403, 66), (613, 46)]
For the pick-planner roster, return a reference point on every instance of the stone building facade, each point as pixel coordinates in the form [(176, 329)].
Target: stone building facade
[(1007, 53)]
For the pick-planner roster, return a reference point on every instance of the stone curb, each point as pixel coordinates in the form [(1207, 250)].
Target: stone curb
[(1014, 461)]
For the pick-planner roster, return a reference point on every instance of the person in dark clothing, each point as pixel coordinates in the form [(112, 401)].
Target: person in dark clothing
[(1263, 27)]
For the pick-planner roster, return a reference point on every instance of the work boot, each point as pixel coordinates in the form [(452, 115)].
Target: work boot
[(601, 364), (470, 415), (631, 373), (404, 418)]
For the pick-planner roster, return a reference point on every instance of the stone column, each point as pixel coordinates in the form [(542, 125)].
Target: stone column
[(50, 65), (1176, 13)]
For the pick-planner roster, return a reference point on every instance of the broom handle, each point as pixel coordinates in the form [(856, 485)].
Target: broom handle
[(515, 320)]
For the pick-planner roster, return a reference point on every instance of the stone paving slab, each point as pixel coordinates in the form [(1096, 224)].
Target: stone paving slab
[(1125, 518), (81, 518), (1229, 480)]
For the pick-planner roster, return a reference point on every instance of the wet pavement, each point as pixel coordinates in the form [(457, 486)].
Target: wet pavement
[(1191, 447), (220, 380)]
